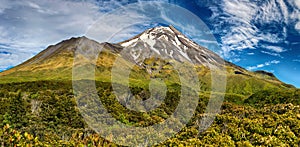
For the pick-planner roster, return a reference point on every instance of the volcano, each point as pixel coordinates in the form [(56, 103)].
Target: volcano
[(152, 45)]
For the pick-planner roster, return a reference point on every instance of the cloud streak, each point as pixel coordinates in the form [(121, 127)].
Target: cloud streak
[(263, 65), (296, 60), (272, 54)]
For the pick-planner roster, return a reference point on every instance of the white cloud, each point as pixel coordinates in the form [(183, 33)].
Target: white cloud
[(263, 65), (296, 60), (235, 60), (284, 10), (33, 5), (260, 65), (4, 4), (31, 20), (244, 11), (275, 62), (296, 14), (272, 54), (297, 26), (276, 49), (297, 2), (246, 24), (270, 11)]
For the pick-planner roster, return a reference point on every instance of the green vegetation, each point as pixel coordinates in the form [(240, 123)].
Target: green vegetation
[(45, 113), (267, 97)]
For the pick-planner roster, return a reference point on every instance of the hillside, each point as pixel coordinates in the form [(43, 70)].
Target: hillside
[(56, 62)]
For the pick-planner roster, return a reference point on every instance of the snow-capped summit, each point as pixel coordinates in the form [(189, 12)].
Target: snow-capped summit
[(167, 42)]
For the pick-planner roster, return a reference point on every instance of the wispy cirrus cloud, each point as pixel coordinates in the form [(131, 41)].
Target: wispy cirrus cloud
[(276, 49), (296, 60), (247, 24), (296, 14), (263, 65), (272, 54)]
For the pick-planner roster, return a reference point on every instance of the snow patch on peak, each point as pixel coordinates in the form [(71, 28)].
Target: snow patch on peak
[(162, 29), (177, 41), (144, 36), (152, 34), (163, 36)]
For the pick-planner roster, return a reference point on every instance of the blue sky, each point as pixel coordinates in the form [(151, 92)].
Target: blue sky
[(257, 35)]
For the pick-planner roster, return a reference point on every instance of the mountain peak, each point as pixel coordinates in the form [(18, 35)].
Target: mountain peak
[(160, 31), (168, 42)]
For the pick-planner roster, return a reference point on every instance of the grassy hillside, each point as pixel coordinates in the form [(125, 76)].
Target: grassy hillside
[(59, 67)]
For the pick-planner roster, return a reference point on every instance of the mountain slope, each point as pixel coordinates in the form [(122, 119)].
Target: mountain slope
[(151, 50)]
